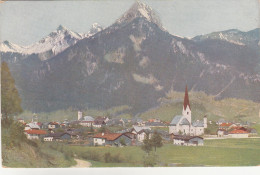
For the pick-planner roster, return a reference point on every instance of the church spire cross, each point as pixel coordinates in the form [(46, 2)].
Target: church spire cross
[(186, 99)]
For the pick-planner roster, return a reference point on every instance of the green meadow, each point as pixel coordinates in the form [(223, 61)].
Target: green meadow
[(224, 152), (228, 152)]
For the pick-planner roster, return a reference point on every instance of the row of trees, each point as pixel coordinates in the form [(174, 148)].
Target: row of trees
[(10, 99), (12, 132)]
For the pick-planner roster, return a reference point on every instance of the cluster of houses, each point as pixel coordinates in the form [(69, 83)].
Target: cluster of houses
[(182, 130), (234, 130)]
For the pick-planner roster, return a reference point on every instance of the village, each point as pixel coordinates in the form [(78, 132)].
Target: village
[(104, 131)]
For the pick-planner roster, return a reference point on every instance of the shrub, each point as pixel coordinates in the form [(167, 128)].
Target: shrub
[(107, 157), (113, 158), (122, 142), (117, 158), (150, 160), (91, 155)]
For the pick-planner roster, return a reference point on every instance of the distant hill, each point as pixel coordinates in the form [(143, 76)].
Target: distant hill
[(230, 109), (250, 38)]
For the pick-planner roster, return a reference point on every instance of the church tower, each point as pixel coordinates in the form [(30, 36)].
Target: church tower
[(186, 111)]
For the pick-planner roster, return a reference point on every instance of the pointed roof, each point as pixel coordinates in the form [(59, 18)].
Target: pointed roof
[(186, 99)]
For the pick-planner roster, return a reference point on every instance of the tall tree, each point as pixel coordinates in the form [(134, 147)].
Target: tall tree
[(147, 144), (10, 100), (156, 140)]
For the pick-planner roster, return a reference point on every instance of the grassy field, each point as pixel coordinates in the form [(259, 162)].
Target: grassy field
[(229, 152)]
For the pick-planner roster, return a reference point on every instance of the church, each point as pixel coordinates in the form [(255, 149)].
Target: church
[(183, 125)]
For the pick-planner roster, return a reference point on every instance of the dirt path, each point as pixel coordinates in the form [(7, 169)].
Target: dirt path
[(81, 164)]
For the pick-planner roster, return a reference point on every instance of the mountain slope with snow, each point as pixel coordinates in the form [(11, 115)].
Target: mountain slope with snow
[(7, 46), (56, 42), (250, 38)]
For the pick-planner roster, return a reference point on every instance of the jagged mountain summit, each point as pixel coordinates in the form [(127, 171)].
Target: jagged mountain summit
[(56, 42), (140, 10), (95, 28)]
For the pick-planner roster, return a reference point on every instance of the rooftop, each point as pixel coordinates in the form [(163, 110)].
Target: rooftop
[(238, 131), (184, 137), (108, 136), (39, 132), (139, 128), (175, 120), (226, 124)]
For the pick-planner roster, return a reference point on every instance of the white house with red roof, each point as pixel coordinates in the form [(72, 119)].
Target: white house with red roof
[(33, 125), (238, 133), (113, 139), (227, 126), (141, 132), (53, 125), (35, 134)]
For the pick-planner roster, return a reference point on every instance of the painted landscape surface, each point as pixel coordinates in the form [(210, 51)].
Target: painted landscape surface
[(130, 93)]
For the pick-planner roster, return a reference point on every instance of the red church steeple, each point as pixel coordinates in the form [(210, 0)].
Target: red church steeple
[(186, 99)]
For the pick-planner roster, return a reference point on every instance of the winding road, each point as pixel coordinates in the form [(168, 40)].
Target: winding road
[(82, 164)]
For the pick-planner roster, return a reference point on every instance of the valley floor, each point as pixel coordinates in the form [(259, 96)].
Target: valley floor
[(227, 152), (224, 152)]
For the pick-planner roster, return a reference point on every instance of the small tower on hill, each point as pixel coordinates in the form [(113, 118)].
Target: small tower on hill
[(79, 115)]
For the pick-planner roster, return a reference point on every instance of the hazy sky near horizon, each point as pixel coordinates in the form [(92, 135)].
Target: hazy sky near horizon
[(26, 22)]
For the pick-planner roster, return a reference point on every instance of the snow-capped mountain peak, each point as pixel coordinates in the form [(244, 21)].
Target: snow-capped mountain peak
[(140, 10), (7, 46), (57, 41), (95, 28), (61, 28)]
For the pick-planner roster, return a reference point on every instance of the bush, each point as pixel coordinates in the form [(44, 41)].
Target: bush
[(107, 157), (91, 156), (13, 135), (68, 155), (150, 160), (122, 142), (115, 159)]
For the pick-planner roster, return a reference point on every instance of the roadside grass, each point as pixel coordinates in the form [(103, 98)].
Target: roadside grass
[(227, 152), (103, 164), (27, 156)]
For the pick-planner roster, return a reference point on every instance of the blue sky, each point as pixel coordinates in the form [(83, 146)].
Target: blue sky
[(27, 22)]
